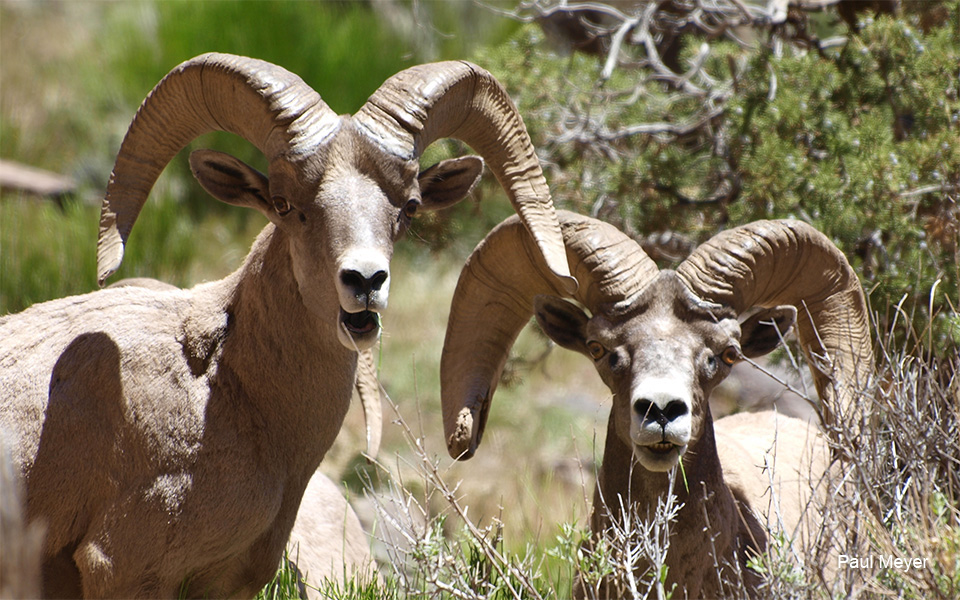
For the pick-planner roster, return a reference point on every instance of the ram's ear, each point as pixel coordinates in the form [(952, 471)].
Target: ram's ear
[(449, 181), (564, 322), (763, 331), (230, 180)]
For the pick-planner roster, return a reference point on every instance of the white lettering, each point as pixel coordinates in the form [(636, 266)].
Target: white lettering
[(887, 561), (855, 562)]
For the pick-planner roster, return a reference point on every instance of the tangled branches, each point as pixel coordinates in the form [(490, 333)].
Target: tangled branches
[(646, 39)]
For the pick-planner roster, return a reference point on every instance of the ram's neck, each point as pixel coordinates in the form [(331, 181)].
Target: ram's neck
[(707, 506), (295, 377)]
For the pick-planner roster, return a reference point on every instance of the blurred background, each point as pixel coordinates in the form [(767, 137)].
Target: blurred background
[(672, 120)]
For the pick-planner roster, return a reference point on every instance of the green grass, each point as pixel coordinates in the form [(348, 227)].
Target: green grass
[(285, 584), (45, 252)]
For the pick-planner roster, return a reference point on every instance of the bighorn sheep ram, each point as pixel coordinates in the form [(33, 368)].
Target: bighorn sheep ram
[(167, 436), (661, 341)]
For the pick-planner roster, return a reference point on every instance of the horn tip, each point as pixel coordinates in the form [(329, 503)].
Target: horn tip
[(373, 444), (460, 443), (108, 261)]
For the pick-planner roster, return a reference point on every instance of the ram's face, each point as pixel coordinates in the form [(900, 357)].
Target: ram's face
[(661, 358), (340, 212), (662, 362), (342, 244)]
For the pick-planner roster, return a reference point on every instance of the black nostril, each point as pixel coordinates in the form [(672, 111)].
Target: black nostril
[(675, 409), (351, 279), (644, 407), (649, 411), (378, 279), (356, 281)]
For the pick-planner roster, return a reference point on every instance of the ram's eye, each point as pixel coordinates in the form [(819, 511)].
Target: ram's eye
[(730, 355), (411, 207), (280, 205), (596, 350)]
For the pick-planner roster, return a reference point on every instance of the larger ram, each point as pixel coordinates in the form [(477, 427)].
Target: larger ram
[(166, 436), (661, 341)]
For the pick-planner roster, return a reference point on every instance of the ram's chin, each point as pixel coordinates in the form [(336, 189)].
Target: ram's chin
[(660, 457), (358, 331)]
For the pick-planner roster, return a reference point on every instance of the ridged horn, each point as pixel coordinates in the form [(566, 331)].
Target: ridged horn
[(494, 300), (770, 263), (265, 104), (458, 99)]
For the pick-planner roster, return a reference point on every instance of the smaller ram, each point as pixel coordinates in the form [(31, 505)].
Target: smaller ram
[(661, 341)]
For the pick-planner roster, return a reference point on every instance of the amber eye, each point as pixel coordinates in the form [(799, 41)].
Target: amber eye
[(730, 356), (596, 350), (280, 205), (410, 208)]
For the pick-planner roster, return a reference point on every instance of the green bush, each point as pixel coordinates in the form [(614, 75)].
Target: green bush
[(861, 141), (864, 145)]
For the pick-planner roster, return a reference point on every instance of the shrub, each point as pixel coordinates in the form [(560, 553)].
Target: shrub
[(858, 138)]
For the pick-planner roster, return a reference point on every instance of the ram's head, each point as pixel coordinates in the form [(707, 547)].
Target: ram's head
[(339, 190), (660, 340)]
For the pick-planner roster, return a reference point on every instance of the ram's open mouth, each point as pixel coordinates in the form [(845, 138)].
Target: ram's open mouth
[(360, 323), (661, 447)]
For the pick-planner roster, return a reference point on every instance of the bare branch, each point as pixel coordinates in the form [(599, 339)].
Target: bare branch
[(674, 129), (618, 38)]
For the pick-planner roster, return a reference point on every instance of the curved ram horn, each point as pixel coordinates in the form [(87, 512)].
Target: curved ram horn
[(769, 263), (494, 300), (265, 104), (458, 99), (368, 389)]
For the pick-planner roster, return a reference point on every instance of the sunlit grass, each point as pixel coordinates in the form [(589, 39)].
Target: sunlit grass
[(48, 252), (45, 252)]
